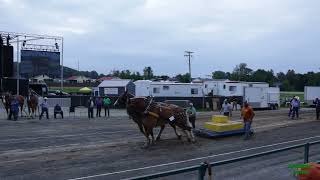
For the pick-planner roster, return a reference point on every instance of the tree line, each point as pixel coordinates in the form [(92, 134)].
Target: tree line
[(287, 81)]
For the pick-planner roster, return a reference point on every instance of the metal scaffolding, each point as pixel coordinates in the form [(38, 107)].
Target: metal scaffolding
[(21, 39)]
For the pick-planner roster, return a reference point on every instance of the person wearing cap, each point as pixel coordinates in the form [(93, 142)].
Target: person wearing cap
[(191, 111), (44, 108), (295, 104), (247, 115)]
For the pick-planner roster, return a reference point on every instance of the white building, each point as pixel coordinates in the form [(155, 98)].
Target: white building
[(41, 78)]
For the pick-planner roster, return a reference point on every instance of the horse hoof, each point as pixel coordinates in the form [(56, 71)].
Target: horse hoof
[(158, 139), (180, 137), (189, 140)]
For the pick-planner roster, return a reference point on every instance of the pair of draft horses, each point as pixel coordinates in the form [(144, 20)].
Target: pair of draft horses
[(32, 102), (148, 115)]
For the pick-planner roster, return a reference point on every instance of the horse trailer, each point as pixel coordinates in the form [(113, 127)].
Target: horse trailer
[(262, 97), (310, 94)]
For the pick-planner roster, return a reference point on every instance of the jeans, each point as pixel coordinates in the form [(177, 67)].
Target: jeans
[(192, 120), (106, 108), (98, 114), (14, 114), (42, 111), (295, 112), (58, 112), (247, 128), (318, 113), (90, 112)]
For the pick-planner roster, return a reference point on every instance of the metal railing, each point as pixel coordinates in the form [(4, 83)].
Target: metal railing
[(202, 168)]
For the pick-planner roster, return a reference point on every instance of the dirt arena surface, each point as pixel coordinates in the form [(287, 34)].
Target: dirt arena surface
[(111, 148)]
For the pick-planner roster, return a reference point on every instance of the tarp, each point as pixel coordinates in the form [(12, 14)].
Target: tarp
[(85, 90)]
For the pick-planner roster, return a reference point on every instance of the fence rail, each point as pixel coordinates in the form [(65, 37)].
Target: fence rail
[(202, 168)]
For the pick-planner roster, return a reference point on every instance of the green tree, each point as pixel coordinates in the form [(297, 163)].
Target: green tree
[(219, 75), (148, 73), (183, 78), (241, 72)]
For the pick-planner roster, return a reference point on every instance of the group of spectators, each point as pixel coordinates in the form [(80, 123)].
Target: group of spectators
[(99, 103), (44, 107)]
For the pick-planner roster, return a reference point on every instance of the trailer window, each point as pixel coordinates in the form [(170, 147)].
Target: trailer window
[(194, 91), (232, 88), (165, 88), (156, 90), (224, 86), (206, 85)]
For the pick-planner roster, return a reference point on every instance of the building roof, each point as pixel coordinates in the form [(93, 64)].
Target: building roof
[(114, 83), (107, 78)]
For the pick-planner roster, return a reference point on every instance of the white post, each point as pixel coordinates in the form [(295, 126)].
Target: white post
[(18, 72)]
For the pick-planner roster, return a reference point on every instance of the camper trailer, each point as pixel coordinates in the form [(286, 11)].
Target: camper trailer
[(310, 94)]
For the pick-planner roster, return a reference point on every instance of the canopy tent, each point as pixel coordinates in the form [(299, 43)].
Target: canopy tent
[(85, 90)]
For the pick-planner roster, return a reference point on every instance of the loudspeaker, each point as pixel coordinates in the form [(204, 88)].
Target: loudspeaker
[(6, 58)]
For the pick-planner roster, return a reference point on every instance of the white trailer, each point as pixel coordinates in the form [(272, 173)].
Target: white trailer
[(310, 94), (262, 97), (143, 88), (164, 89)]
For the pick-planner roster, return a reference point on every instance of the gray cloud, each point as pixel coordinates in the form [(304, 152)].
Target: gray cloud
[(121, 34)]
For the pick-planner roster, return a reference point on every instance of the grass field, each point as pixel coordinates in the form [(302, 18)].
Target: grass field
[(289, 95), (66, 89)]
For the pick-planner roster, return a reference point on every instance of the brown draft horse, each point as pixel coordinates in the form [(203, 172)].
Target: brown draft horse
[(148, 114), (32, 105)]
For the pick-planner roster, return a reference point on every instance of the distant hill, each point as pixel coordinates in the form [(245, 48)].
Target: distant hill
[(67, 72)]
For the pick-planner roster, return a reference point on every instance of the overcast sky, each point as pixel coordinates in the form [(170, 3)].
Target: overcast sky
[(131, 34)]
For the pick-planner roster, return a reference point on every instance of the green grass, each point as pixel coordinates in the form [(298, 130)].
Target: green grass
[(289, 95), (66, 89)]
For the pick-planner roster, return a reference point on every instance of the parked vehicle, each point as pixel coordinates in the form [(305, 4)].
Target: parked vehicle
[(310, 94), (262, 97)]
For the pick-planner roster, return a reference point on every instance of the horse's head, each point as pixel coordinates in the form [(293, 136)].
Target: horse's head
[(123, 98)]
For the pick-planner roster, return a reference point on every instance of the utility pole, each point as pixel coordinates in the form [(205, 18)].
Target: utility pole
[(189, 55)]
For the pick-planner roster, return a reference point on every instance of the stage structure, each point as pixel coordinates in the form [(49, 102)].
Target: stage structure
[(40, 54)]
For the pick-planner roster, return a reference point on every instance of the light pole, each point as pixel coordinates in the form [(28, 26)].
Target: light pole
[(189, 55)]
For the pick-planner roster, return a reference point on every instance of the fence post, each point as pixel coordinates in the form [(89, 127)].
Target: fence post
[(202, 171), (306, 153)]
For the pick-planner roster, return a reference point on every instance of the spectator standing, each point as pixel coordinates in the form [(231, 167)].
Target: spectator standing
[(290, 107), (14, 109), (226, 109), (44, 108), (295, 104), (99, 106), (247, 115), (90, 107), (317, 104), (106, 105), (191, 111)]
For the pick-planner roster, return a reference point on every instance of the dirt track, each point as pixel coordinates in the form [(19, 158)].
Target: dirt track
[(111, 148)]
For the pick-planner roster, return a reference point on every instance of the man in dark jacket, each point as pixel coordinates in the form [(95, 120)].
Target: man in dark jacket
[(317, 104), (90, 107), (14, 108), (57, 110)]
